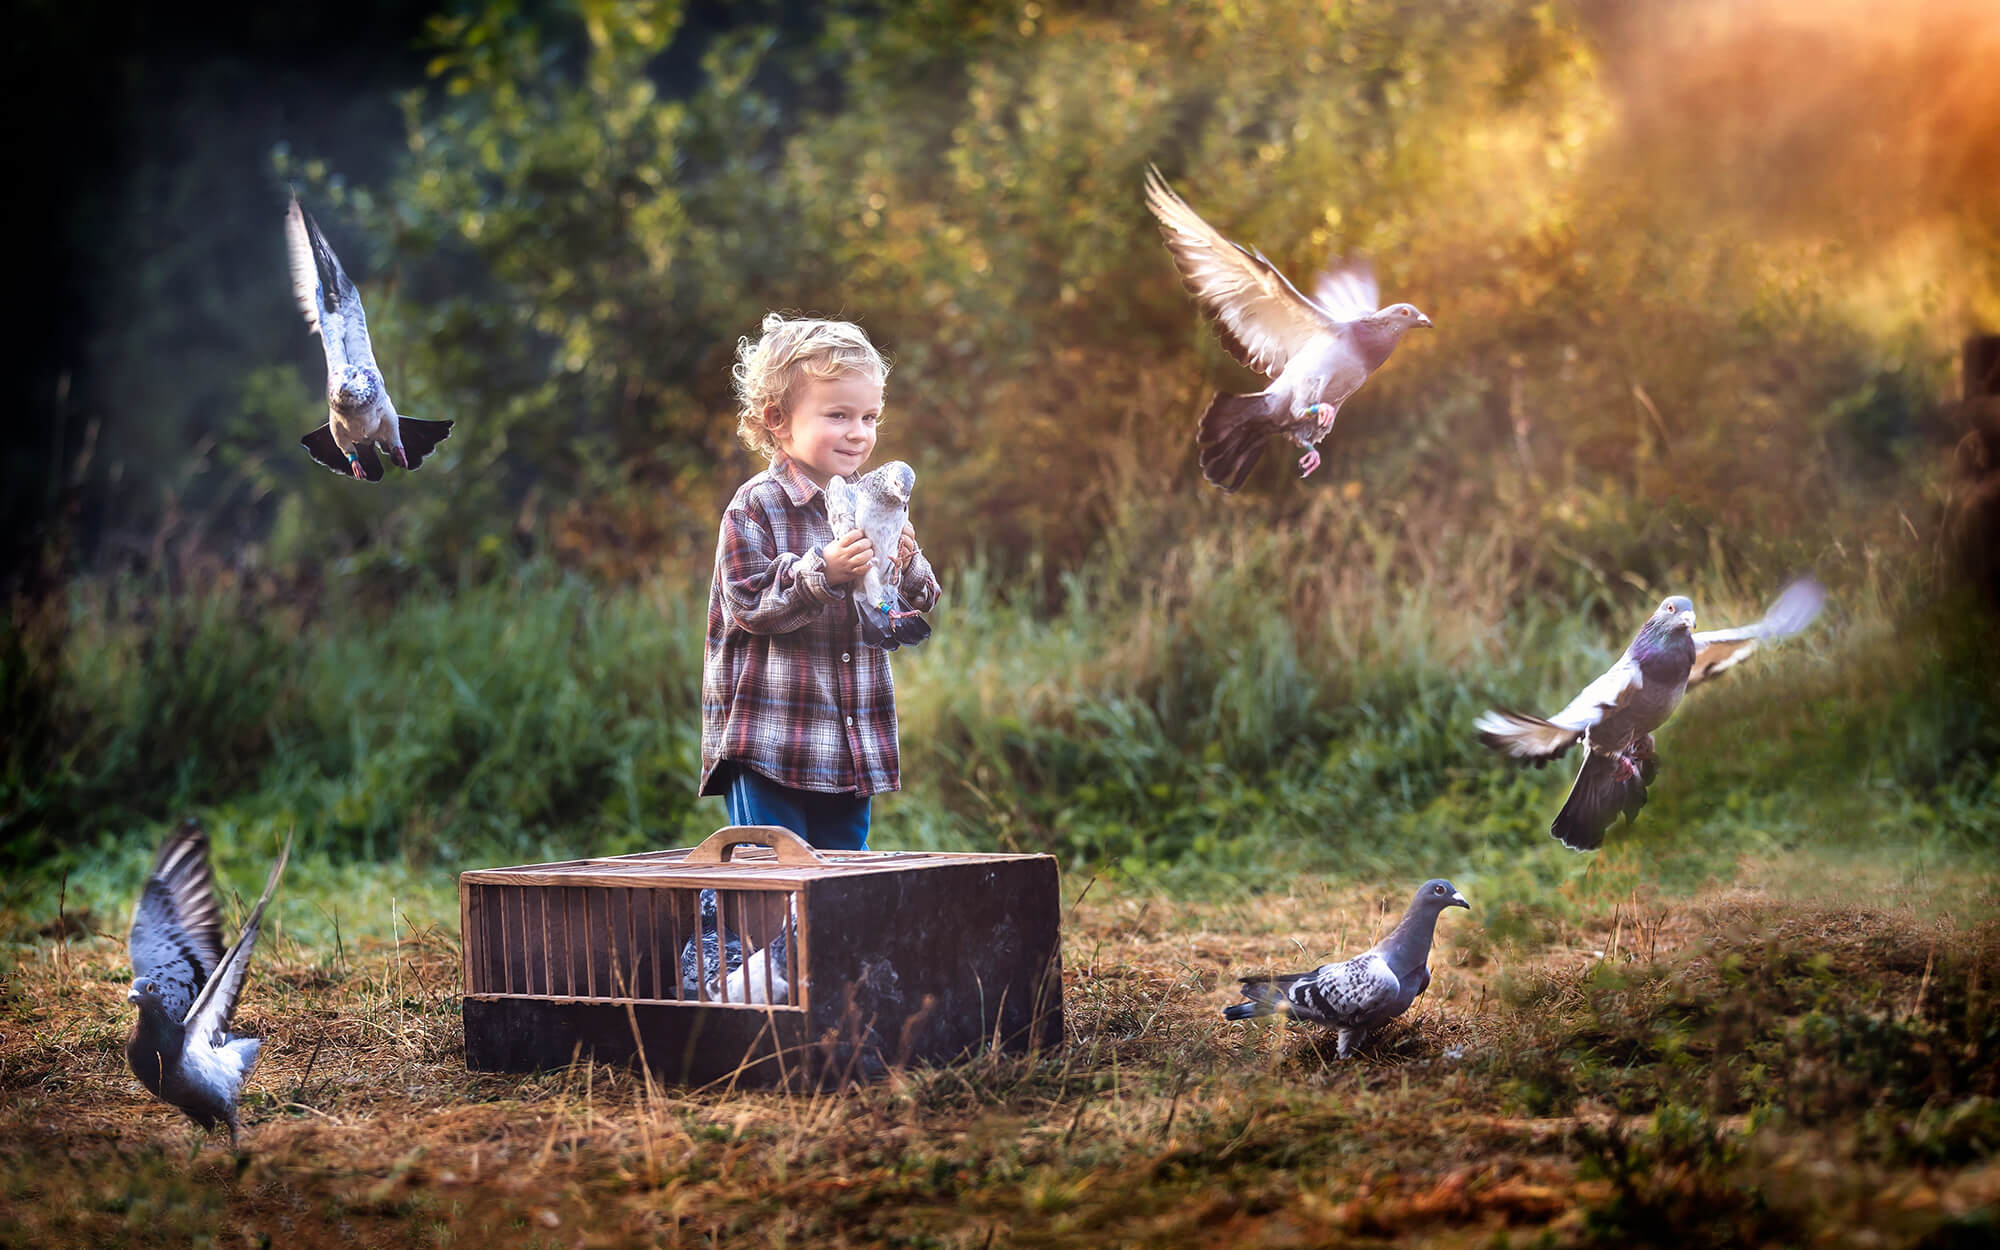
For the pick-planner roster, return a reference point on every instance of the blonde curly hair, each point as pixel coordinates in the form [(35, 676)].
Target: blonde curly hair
[(789, 351)]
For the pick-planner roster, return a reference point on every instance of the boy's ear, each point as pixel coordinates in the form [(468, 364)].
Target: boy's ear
[(774, 418)]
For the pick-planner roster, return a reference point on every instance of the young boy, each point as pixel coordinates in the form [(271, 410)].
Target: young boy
[(798, 720)]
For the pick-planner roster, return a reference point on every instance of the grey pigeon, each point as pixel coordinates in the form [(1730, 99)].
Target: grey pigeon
[(186, 985), (1359, 995), (1316, 351), (1616, 715), (765, 975), (713, 966), (710, 955), (360, 416), (878, 504)]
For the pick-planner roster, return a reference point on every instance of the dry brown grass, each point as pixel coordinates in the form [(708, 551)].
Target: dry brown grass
[(1726, 1068)]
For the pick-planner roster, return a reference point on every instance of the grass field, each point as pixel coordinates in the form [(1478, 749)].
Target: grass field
[(1804, 1055)]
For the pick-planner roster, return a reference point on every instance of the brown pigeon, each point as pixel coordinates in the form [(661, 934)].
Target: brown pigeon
[(1316, 351)]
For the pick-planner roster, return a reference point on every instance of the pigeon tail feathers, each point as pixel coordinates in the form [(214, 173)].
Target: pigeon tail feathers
[(1232, 436), (1605, 788), (1267, 997), (890, 624), (420, 437)]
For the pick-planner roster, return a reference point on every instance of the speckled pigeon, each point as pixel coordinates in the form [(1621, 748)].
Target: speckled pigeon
[(878, 504), (1359, 995), (765, 976), (715, 953), (1316, 351), (186, 985), (1616, 715), (360, 416)]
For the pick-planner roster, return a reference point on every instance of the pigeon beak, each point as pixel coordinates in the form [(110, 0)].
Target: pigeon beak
[(1425, 322), (1458, 900), (1686, 618)]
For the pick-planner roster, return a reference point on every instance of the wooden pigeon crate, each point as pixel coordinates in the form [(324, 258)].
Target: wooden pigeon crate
[(890, 957)]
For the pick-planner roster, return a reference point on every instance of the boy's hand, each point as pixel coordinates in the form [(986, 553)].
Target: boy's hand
[(847, 557)]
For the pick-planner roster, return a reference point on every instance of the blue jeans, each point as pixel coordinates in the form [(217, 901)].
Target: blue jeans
[(830, 822)]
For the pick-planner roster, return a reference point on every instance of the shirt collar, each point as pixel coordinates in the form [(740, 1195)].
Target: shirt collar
[(799, 488)]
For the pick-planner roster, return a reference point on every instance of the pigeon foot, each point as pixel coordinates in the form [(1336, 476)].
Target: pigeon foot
[(354, 467), (402, 459), (1309, 462)]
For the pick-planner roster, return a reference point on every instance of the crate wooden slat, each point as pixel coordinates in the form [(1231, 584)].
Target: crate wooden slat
[(890, 957)]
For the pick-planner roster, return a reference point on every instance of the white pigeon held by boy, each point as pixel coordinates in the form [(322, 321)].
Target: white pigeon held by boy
[(878, 504)]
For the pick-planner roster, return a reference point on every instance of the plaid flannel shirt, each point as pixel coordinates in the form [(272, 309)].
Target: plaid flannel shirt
[(786, 687)]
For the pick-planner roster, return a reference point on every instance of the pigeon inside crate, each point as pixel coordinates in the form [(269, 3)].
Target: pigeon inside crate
[(783, 966)]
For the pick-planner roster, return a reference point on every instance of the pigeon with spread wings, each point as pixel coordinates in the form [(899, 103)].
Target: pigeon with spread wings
[(186, 985), (1616, 715), (1317, 352), (1359, 995), (361, 420)]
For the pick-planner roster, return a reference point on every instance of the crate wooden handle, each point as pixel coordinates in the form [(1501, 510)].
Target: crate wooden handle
[(789, 846)]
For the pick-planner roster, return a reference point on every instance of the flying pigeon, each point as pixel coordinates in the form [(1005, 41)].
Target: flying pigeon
[(186, 985), (1616, 715), (1364, 993), (878, 504), (1316, 351), (360, 416)]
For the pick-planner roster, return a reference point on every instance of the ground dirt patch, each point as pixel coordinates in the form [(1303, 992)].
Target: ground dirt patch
[(1726, 1069)]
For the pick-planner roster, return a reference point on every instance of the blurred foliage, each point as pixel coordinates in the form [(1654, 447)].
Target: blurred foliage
[(586, 203), (595, 199)]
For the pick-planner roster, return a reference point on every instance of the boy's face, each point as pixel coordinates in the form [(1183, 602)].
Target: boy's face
[(831, 429)]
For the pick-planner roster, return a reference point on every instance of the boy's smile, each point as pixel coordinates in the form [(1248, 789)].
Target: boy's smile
[(831, 429)]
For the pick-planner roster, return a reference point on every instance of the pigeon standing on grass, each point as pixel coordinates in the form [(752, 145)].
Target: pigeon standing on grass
[(1316, 351), (360, 416), (1616, 715), (186, 985), (1364, 993), (878, 504)]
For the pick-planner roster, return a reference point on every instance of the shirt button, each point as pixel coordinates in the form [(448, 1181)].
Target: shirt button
[(850, 720), (844, 657)]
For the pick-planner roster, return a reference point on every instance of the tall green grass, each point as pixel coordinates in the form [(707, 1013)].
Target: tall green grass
[(1247, 702)]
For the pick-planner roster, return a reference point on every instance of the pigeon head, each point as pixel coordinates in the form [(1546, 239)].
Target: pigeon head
[(894, 480), (1676, 612), (1405, 317), (356, 388), (1437, 894), (146, 992)]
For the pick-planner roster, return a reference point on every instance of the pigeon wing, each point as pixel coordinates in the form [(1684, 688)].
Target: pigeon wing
[(1260, 316), (177, 929), (337, 315), (1718, 650), (1525, 737), (1347, 290), (210, 1015), (840, 504), (1347, 993)]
